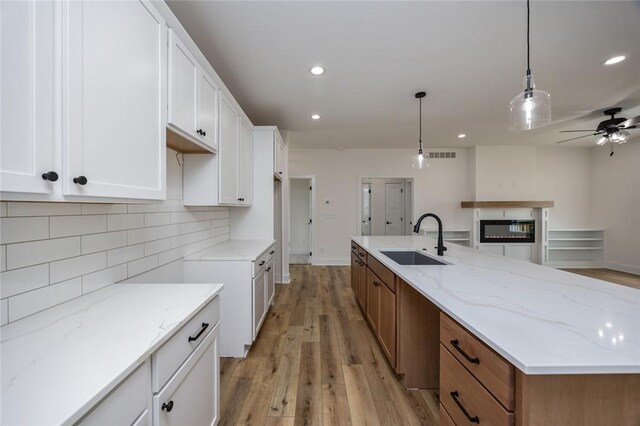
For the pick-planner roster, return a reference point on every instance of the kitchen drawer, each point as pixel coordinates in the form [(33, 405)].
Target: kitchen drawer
[(445, 418), (271, 252), (192, 395), (493, 371), (354, 247), (172, 354), (259, 263), (127, 403), (465, 399), (383, 273), (362, 254)]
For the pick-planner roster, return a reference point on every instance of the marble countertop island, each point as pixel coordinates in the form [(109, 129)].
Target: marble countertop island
[(233, 250), (60, 362), (543, 320)]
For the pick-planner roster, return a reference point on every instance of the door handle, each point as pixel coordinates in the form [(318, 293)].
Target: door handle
[(388, 223)]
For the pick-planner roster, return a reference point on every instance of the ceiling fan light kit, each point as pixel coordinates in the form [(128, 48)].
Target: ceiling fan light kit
[(420, 160), (613, 130), (531, 108)]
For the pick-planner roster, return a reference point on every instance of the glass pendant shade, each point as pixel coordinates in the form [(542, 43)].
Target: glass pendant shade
[(531, 108), (419, 161)]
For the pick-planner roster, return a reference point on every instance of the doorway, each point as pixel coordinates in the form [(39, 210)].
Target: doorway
[(386, 206), (301, 220)]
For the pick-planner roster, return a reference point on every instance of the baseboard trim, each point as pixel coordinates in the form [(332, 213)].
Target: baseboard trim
[(623, 268), (332, 262)]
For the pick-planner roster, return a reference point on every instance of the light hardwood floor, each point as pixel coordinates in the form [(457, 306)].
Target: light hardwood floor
[(316, 361)]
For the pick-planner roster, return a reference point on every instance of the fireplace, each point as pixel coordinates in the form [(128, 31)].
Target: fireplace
[(507, 231)]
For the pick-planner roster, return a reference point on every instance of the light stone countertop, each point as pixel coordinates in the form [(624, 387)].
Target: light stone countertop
[(57, 364), (233, 250), (543, 320)]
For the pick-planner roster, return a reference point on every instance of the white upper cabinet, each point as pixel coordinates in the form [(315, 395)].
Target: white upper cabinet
[(29, 139), (245, 165), (228, 154), (193, 97), (115, 99)]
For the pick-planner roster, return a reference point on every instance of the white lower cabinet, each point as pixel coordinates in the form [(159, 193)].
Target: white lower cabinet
[(259, 305), (270, 278), (129, 403), (190, 397)]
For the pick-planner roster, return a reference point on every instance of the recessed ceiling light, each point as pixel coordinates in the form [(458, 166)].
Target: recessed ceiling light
[(615, 60), (462, 136), (317, 70), (315, 116)]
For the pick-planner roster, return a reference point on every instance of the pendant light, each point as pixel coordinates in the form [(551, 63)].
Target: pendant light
[(531, 108), (420, 161)]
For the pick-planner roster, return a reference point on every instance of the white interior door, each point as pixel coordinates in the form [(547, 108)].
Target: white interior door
[(300, 220), (408, 211), (393, 208), (366, 209)]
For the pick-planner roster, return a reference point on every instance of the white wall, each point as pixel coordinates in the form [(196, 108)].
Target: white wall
[(505, 173), (616, 203), (438, 189), (300, 214), (54, 252)]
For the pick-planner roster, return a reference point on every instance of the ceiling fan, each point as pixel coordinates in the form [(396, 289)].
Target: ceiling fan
[(613, 130)]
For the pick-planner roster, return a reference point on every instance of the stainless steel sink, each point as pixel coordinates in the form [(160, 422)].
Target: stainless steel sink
[(411, 258)]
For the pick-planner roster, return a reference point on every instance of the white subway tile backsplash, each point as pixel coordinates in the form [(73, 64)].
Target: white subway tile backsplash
[(42, 209), (28, 303), (104, 208), (142, 208), (168, 231), (142, 265), (141, 235), (182, 217), (101, 242), (118, 222), (124, 254), (97, 280), (53, 252), (66, 226), (77, 266), (157, 246), (155, 219), (20, 280), (20, 229), (3, 258), (4, 312), (35, 252)]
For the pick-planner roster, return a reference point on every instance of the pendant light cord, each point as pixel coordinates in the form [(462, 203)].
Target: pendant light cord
[(420, 150), (528, 44)]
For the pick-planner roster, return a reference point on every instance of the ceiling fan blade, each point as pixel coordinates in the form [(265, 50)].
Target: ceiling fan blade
[(630, 123), (571, 131), (579, 137)]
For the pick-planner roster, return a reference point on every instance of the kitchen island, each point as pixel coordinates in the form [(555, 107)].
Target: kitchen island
[(545, 346)]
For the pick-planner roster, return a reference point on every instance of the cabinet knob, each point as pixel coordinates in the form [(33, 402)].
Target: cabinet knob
[(204, 133), (279, 173), (50, 176), (388, 223), (80, 180), (167, 406)]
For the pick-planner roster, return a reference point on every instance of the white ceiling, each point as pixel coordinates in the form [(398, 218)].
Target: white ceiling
[(468, 56)]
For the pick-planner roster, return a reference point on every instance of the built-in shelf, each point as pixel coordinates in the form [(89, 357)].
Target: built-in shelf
[(506, 204), (456, 236), (579, 247)]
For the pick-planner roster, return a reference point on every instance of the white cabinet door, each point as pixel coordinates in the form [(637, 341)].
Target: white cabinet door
[(228, 153), (183, 87), (259, 301), (207, 111), (28, 136), (115, 66), (245, 162), (271, 282), (278, 163), (192, 396)]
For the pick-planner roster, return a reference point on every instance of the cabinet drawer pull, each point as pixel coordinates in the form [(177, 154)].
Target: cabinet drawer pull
[(361, 254), (456, 345), (80, 180), (50, 176), (376, 283), (197, 336), (268, 269), (261, 263), (167, 406), (472, 419), (354, 247), (272, 251)]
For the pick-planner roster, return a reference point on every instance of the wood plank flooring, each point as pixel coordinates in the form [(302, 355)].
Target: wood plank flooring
[(610, 275), (316, 362)]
